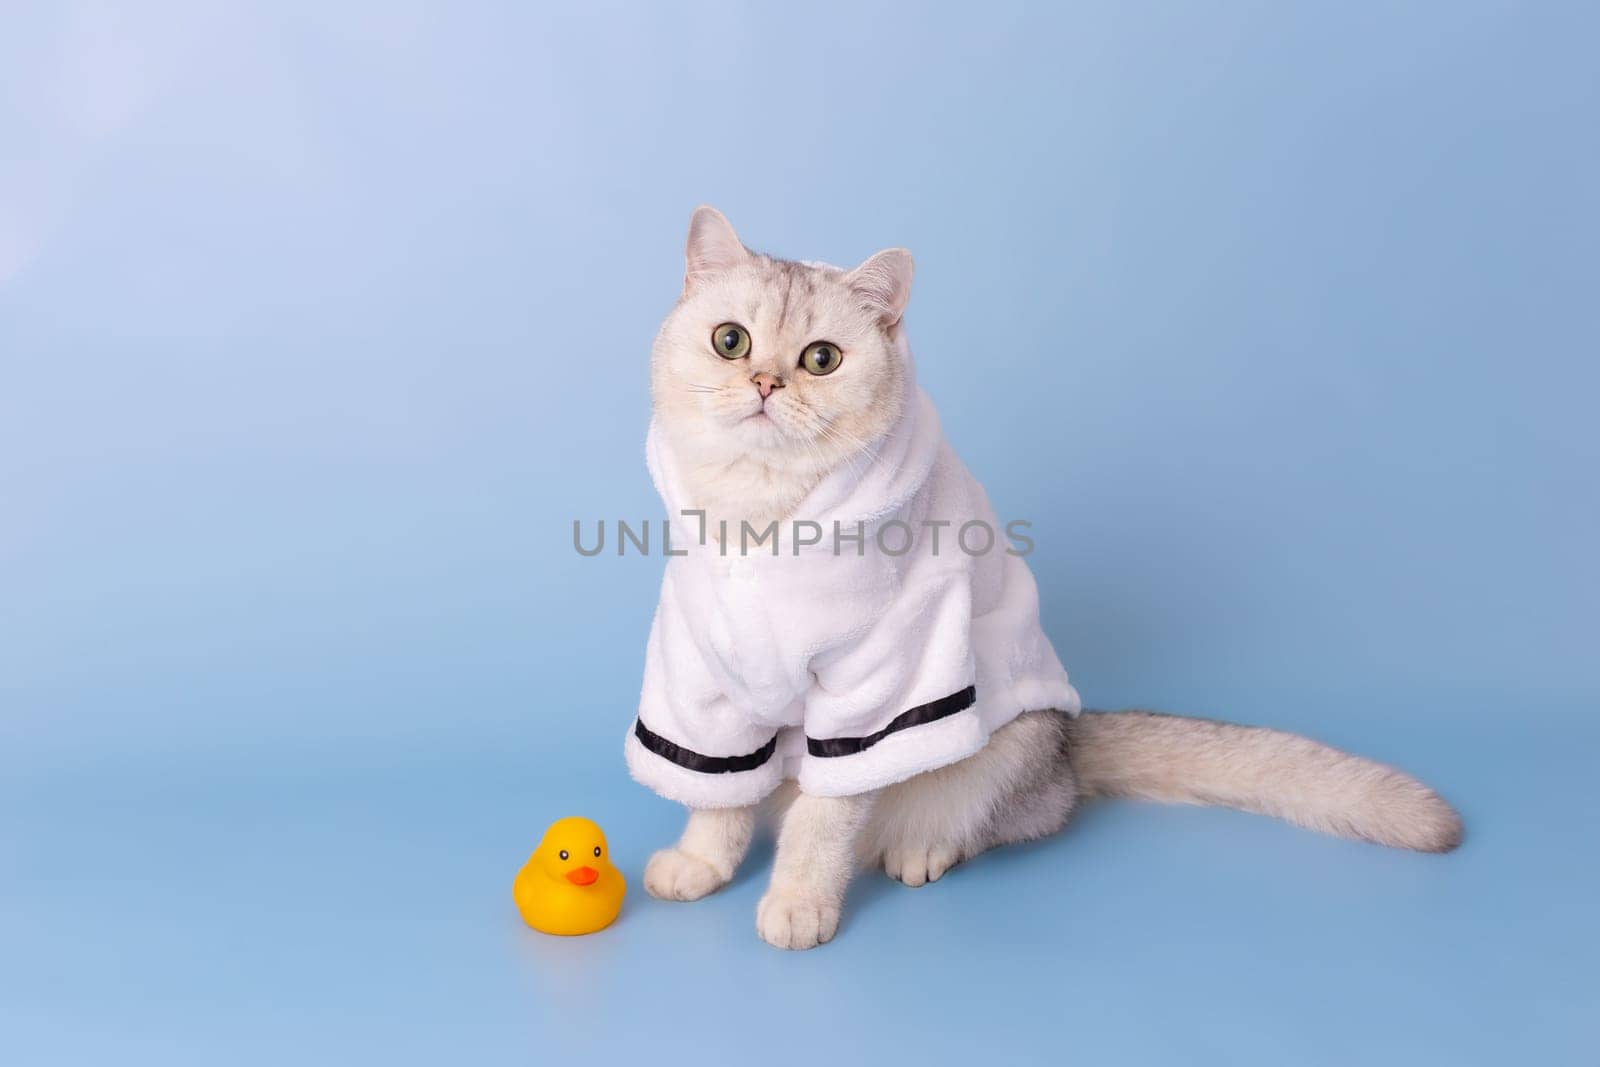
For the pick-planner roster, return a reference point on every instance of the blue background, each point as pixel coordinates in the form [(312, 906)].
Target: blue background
[(319, 327)]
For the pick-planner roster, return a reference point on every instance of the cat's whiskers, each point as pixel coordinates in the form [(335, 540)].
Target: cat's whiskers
[(855, 447), (835, 431)]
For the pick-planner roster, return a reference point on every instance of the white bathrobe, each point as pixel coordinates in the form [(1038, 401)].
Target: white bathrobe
[(847, 672)]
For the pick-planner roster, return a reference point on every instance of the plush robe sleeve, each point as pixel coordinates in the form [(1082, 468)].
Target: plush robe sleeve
[(690, 743), (900, 700)]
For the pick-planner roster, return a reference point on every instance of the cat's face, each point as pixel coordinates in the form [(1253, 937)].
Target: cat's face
[(792, 364)]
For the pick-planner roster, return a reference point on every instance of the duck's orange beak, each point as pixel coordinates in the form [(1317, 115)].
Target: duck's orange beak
[(583, 876)]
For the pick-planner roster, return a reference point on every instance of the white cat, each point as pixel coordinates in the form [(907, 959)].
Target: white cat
[(909, 693)]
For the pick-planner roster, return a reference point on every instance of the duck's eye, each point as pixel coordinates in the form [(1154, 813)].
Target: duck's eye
[(597, 850), (731, 341), (821, 358), (565, 855)]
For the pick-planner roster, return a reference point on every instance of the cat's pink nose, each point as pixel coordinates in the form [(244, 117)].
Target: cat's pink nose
[(765, 383)]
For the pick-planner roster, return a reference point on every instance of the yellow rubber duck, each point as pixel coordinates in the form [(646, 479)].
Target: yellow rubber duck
[(568, 886)]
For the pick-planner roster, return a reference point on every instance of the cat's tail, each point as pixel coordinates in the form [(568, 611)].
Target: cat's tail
[(1178, 760)]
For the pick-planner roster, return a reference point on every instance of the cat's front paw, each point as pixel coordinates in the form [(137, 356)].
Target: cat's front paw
[(673, 874), (919, 865), (790, 920)]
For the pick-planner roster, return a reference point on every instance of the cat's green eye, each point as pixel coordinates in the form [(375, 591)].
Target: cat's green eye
[(821, 358), (731, 341)]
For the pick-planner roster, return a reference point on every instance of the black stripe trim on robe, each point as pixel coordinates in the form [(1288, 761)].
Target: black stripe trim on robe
[(684, 757), (920, 715)]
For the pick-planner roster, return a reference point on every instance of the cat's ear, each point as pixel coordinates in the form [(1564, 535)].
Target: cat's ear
[(713, 246), (884, 282)]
